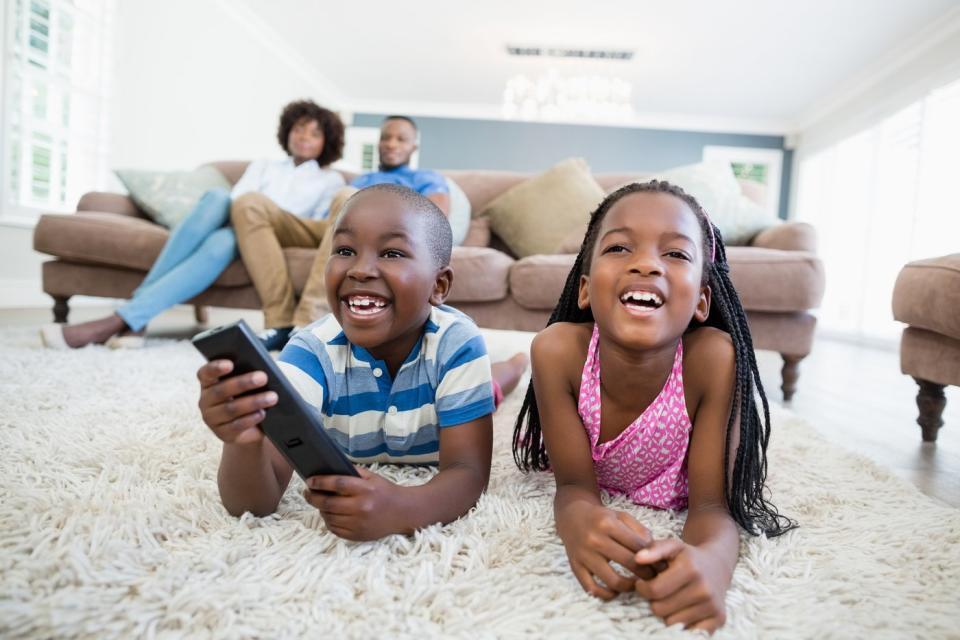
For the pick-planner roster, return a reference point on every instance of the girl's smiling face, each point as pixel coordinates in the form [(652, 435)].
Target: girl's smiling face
[(645, 282)]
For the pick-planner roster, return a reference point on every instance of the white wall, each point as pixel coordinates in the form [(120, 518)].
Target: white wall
[(202, 81), (193, 82), (929, 60)]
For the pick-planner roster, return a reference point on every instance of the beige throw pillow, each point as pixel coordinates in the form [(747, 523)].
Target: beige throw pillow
[(537, 214)]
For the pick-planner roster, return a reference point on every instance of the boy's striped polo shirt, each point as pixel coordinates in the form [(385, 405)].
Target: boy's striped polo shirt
[(445, 381)]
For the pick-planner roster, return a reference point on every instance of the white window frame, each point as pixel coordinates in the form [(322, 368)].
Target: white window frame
[(18, 213)]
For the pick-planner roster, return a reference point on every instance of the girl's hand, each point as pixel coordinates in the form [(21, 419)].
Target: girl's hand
[(594, 536), (233, 419), (363, 508), (691, 590)]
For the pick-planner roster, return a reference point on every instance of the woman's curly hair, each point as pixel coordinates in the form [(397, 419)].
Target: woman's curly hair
[(329, 122)]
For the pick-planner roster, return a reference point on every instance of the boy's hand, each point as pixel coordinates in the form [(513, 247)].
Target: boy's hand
[(232, 419), (594, 536), (691, 590), (363, 508)]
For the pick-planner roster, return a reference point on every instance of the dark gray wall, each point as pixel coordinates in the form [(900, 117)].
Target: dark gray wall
[(452, 143)]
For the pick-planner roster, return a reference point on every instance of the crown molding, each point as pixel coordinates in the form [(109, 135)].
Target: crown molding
[(326, 90), (658, 121), (933, 34)]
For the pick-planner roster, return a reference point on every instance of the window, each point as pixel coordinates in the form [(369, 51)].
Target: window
[(879, 199), (57, 58)]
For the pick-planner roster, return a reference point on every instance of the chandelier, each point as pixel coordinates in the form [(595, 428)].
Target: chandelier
[(554, 97)]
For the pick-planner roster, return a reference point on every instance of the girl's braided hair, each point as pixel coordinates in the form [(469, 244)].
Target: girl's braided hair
[(744, 490)]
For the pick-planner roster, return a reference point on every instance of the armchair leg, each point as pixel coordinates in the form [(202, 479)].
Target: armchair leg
[(201, 314), (789, 373), (931, 401), (61, 308)]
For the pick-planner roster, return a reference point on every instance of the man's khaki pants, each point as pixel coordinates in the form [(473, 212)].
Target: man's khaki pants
[(263, 231)]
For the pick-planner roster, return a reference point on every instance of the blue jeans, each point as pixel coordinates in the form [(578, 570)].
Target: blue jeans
[(200, 248)]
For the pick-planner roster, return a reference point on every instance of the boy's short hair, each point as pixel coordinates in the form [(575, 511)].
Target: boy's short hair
[(328, 121), (439, 236), (404, 118)]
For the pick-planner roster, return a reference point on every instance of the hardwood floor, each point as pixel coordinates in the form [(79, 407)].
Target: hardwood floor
[(855, 395)]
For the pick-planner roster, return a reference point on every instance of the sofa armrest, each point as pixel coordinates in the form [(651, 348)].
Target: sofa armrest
[(789, 236), (109, 203)]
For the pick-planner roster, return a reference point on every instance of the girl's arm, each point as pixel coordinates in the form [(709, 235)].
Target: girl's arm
[(692, 589), (592, 534)]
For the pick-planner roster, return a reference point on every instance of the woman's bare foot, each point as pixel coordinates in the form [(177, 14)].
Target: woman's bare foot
[(507, 373), (93, 332)]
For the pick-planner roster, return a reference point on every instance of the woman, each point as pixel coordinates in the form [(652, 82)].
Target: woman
[(203, 245)]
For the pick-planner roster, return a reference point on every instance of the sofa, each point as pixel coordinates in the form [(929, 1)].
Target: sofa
[(106, 248), (926, 297)]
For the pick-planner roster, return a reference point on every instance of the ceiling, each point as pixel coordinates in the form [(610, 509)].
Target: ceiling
[(766, 62)]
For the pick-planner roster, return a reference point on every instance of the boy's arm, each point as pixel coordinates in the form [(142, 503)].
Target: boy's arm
[(692, 589), (592, 534), (371, 507), (252, 475), (252, 478), (465, 453)]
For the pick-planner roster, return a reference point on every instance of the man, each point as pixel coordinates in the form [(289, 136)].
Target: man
[(261, 245)]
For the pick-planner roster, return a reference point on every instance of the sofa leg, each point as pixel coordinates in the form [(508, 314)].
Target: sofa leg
[(61, 308), (201, 314), (931, 402), (789, 373)]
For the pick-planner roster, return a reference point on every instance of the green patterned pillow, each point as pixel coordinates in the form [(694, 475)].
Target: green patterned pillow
[(168, 196)]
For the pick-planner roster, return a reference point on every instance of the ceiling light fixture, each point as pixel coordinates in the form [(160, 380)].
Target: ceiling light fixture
[(554, 97)]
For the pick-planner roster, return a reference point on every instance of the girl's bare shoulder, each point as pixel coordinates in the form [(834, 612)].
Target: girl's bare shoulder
[(562, 343), (706, 352)]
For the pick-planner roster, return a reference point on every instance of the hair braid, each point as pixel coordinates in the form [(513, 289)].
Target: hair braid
[(744, 483)]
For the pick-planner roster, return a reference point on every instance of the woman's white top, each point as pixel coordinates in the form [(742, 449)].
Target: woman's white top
[(304, 190)]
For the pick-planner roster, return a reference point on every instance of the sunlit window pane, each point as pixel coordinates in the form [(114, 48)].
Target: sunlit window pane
[(879, 199)]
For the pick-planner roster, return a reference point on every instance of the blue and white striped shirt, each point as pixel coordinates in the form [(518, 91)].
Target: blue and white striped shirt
[(445, 381)]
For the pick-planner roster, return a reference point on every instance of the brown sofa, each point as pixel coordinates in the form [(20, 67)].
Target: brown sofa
[(927, 298), (107, 249)]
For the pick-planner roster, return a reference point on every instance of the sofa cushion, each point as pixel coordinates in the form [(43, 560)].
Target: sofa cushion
[(776, 281), (479, 274), (100, 238), (534, 216), (168, 196), (927, 295), (766, 279), (114, 240), (536, 281)]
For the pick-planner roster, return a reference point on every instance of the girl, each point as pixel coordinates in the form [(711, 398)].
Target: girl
[(666, 417), (203, 245)]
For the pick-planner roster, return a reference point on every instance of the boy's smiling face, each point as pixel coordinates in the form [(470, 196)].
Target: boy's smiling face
[(382, 278)]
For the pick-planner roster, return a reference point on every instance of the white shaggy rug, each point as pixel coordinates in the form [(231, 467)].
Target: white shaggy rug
[(110, 527)]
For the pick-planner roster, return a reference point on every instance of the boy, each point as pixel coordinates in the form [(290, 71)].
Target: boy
[(395, 375)]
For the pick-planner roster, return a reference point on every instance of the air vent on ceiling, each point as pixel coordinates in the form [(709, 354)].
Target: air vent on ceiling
[(570, 52)]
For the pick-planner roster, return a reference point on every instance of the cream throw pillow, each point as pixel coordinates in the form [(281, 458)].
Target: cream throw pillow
[(536, 215), (716, 188)]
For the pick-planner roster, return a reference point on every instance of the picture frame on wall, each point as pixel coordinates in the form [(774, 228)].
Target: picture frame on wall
[(759, 172)]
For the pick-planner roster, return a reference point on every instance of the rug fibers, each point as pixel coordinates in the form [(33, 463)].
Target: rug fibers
[(111, 527)]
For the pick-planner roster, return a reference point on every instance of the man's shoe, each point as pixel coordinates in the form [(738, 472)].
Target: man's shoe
[(276, 339)]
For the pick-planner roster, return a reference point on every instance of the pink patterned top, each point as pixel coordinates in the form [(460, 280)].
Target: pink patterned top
[(648, 460)]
